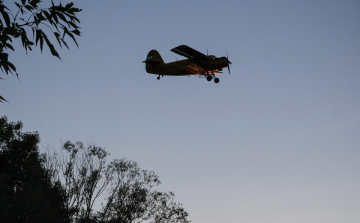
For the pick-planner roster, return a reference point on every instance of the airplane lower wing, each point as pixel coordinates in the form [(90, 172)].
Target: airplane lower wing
[(194, 69)]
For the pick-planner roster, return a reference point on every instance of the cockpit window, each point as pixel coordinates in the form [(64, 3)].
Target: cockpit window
[(211, 57)]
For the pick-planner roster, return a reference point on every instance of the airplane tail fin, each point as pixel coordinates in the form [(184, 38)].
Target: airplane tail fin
[(153, 61)]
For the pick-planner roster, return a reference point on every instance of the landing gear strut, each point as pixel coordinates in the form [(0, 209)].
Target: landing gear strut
[(209, 77)]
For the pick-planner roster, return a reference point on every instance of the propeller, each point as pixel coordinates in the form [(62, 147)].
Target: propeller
[(228, 61)]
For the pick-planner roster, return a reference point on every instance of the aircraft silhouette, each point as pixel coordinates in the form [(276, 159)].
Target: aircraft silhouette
[(197, 64)]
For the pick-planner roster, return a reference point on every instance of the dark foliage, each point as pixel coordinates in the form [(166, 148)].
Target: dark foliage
[(28, 23), (64, 187), (126, 192), (26, 192)]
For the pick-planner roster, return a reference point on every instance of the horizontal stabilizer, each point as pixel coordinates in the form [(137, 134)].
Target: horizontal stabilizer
[(151, 62)]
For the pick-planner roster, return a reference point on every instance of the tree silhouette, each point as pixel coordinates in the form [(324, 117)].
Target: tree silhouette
[(64, 187), (27, 193), (28, 24), (128, 190)]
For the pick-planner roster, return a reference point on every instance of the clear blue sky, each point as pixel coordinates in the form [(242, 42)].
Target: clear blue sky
[(276, 141)]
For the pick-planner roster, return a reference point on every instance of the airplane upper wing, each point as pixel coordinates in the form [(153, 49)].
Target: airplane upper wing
[(189, 53)]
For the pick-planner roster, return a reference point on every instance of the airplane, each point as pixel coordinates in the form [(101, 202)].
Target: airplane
[(196, 64)]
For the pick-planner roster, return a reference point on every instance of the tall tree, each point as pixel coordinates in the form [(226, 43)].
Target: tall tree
[(28, 24), (131, 197), (27, 193), (128, 192), (84, 177)]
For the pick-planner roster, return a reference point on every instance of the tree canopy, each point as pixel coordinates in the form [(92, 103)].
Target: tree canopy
[(65, 186), (30, 23), (126, 191), (27, 193)]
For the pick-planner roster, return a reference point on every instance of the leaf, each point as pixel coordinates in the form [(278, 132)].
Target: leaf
[(2, 99), (72, 10), (69, 5), (17, 4), (38, 36), (63, 41), (48, 17), (71, 35), (76, 32), (57, 35), (73, 25), (6, 7), (77, 20), (29, 7), (23, 39), (53, 14), (11, 66), (41, 43), (5, 16), (61, 16), (51, 47), (5, 65), (9, 46), (34, 3)]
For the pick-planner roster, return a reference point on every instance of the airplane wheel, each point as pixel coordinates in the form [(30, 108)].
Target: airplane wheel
[(216, 80), (158, 77), (208, 78)]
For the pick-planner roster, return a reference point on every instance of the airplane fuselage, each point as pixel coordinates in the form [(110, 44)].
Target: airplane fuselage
[(185, 67)]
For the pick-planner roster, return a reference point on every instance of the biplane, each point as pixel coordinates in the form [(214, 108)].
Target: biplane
[(196, 64)]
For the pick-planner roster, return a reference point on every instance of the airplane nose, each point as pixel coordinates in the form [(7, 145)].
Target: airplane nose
[(228, 62)]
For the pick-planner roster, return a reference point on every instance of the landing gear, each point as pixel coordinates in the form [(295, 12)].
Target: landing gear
[(211, 76), (158, 77)]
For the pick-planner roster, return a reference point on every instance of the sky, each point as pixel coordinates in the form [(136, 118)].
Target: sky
[(276, 141)]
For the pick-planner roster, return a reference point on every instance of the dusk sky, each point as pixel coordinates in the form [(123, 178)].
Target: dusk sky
[(276, 141)]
